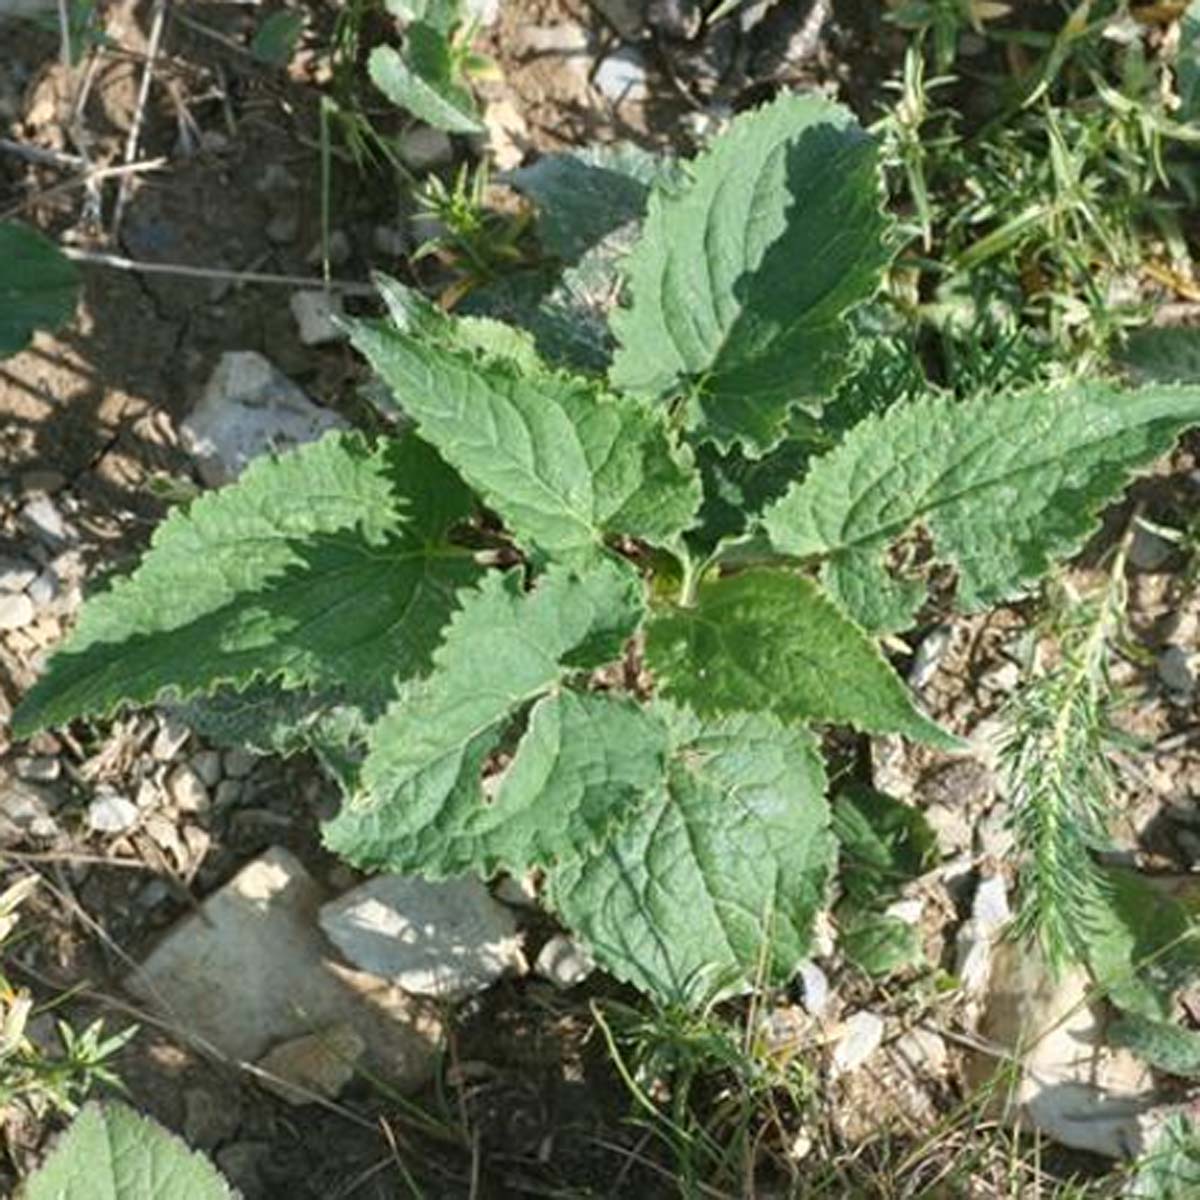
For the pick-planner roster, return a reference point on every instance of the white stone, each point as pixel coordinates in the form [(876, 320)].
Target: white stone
[(42, 519), (317, 1066), (317, 314), (1071, 1086), (447, 938), (564, 962), (16, 610), (422, 148), (186, 789), (249, 408), (815, 986), (622, 76), (251, 969), (111, 813), (16, 574), (861, 1036)]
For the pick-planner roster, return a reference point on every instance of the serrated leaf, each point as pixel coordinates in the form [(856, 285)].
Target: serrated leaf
[(585, 195), (111, 1152), (879, 944), (350, 587), (562, 463), (771, 641), (883, 843), (714, 882), (1002, 486), (1162, 1044), (420, 81), (504, 648), (741, 283), (38, 286), (1142, 946)]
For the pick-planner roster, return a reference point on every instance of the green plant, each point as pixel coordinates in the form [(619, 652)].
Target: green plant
[(614, 668), (111, 1152)]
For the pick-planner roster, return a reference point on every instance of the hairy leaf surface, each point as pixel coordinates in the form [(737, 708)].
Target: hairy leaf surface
[(770, 641), (503, 649), (350, 587), (561, 462), (715, 880), (741, 283), (1001, 486)]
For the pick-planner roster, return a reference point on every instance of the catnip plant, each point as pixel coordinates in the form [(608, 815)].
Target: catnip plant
[(590, 610)]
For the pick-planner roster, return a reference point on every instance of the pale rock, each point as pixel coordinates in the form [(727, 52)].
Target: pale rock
[(16, 574), (1070, 1086), (814, 984), (316, 1066), (25, 812), (41, 518), (621, 76), (186, 789), (317, 314), (929, 655), (251, 969), (423, 148), (1175, 671), (170, 739), (38, 768), (249, 408), (507, 133), (16, 610), (564, 962), (447, 938), (862, 1035), (238, 763), (111, 813)]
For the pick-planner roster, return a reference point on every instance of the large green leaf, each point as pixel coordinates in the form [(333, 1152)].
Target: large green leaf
[(742, 281), (503, 649), (111, 1152), (38, 286), (327, 565), (421, 81), (770, 640), (715, 880), (1001, 487), (562, 463)]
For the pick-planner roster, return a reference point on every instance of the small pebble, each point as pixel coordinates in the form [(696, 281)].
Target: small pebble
[(207, 764), (111, 813), (238, 763), (564, 962), (1175, 671), (16, 610), (186, 789)]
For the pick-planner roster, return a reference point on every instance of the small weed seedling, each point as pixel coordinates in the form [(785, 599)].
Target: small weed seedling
[(593, 620)]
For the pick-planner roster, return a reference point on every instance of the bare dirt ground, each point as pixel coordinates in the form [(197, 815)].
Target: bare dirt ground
[(89, 417)]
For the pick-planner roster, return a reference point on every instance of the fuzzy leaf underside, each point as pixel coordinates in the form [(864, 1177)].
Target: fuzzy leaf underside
[(742, 281), (419, 82), (1002, 487), (561, 462), (111, 1152), (770, 641), (38, 286), (713, 882), (503, 649), (350, 587), (585, 195)]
